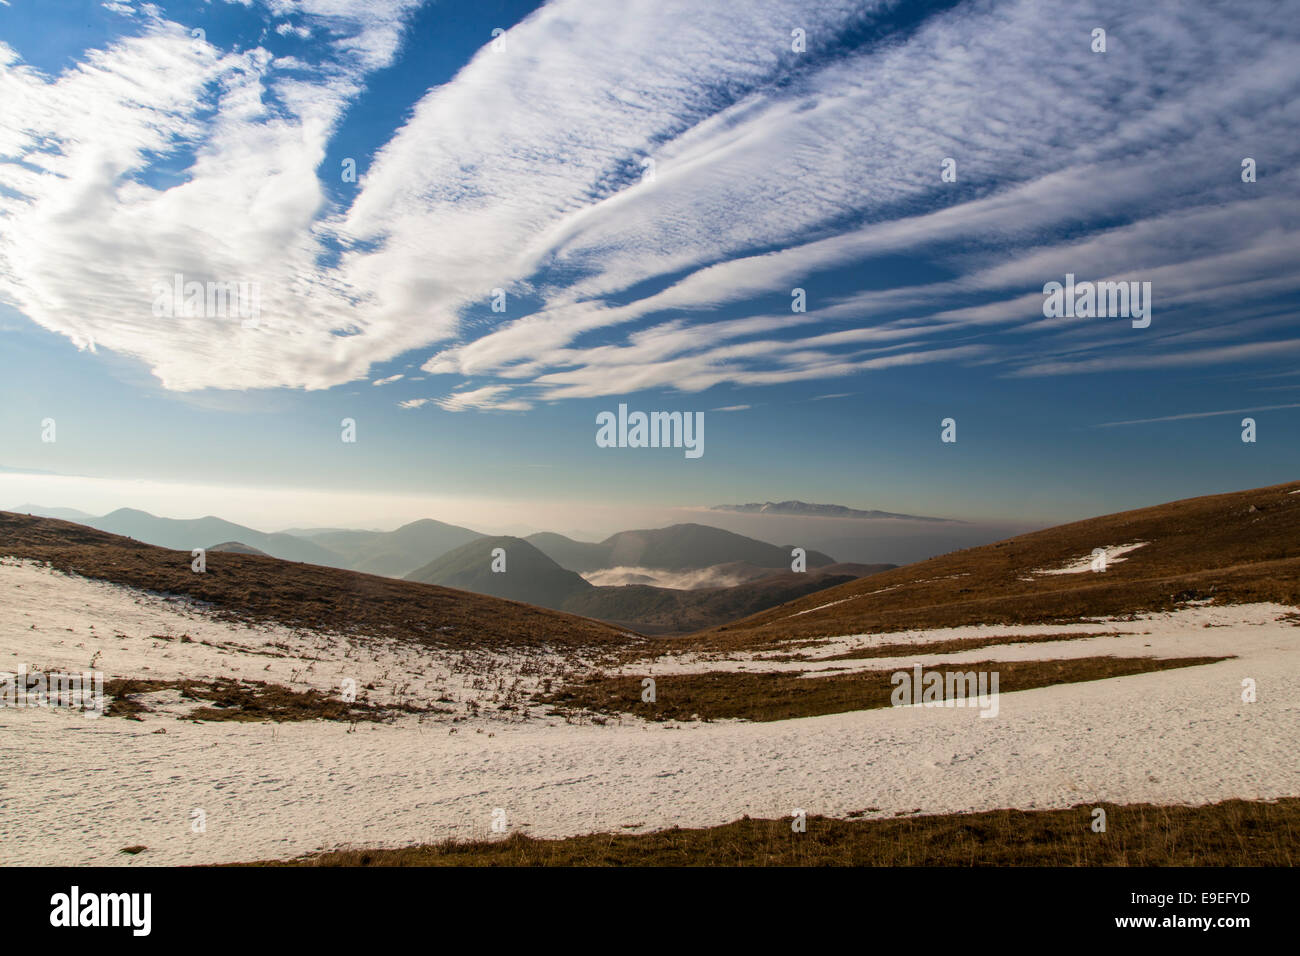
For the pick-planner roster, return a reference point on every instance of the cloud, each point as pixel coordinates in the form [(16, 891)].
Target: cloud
[(1162, 359), (491, 396), (647, 182), (1190, 415)]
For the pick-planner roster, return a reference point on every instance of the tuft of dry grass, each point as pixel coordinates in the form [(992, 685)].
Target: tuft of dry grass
[(719, 695), (1231, 833)]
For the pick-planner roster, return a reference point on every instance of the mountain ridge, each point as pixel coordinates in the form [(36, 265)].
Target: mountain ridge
[(808, 510)]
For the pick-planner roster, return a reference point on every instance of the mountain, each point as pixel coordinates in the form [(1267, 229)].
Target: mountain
[(311, 532), (533, 577), (679, 547), (391, 553), (260, 589), (804, 509), (66, 514), (529, 575), (1230, 548), (237, 547), (394, 553), (567, 553), (684, 546), (186, 534)]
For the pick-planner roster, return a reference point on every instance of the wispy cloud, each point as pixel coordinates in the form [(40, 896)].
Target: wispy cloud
[(490, 396), (1189, 415), (530, 172)]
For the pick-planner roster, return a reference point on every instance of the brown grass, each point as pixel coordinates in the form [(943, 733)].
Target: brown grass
[(242, 700), (761, 697), (1232, 833), (264, 590), (952, 646)]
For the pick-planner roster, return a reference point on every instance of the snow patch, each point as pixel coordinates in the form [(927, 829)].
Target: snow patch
[(1114, 555)]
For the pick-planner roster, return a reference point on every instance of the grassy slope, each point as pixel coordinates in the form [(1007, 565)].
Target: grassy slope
[(1238, 548)]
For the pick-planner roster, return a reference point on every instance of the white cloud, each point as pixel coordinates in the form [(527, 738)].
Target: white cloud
[(770, 168), (491, 396)]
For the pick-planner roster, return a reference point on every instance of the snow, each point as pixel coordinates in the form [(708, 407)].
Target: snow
[(1191, 631), (1114, 555), (75, 790)]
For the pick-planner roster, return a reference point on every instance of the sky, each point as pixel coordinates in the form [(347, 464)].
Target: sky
[(559, 208)]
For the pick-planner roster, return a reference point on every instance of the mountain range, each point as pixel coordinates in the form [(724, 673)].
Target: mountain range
[(807, 510), (1235, 548), (726, 575), (518, 570)]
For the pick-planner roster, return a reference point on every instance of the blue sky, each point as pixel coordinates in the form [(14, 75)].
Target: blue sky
[(132, 149)]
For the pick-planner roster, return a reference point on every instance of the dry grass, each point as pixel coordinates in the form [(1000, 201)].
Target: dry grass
[(263, 590), (242, 700), (951, 646), (1232, 833), (761, 697)]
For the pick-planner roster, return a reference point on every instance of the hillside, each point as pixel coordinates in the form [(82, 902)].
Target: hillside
[(1231, 548), (683, 546), (567, 553), (266, 590), (529, 575), (394, 553), (679, 547)]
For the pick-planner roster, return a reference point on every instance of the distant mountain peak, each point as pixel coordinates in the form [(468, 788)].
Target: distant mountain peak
[(808, 510)]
